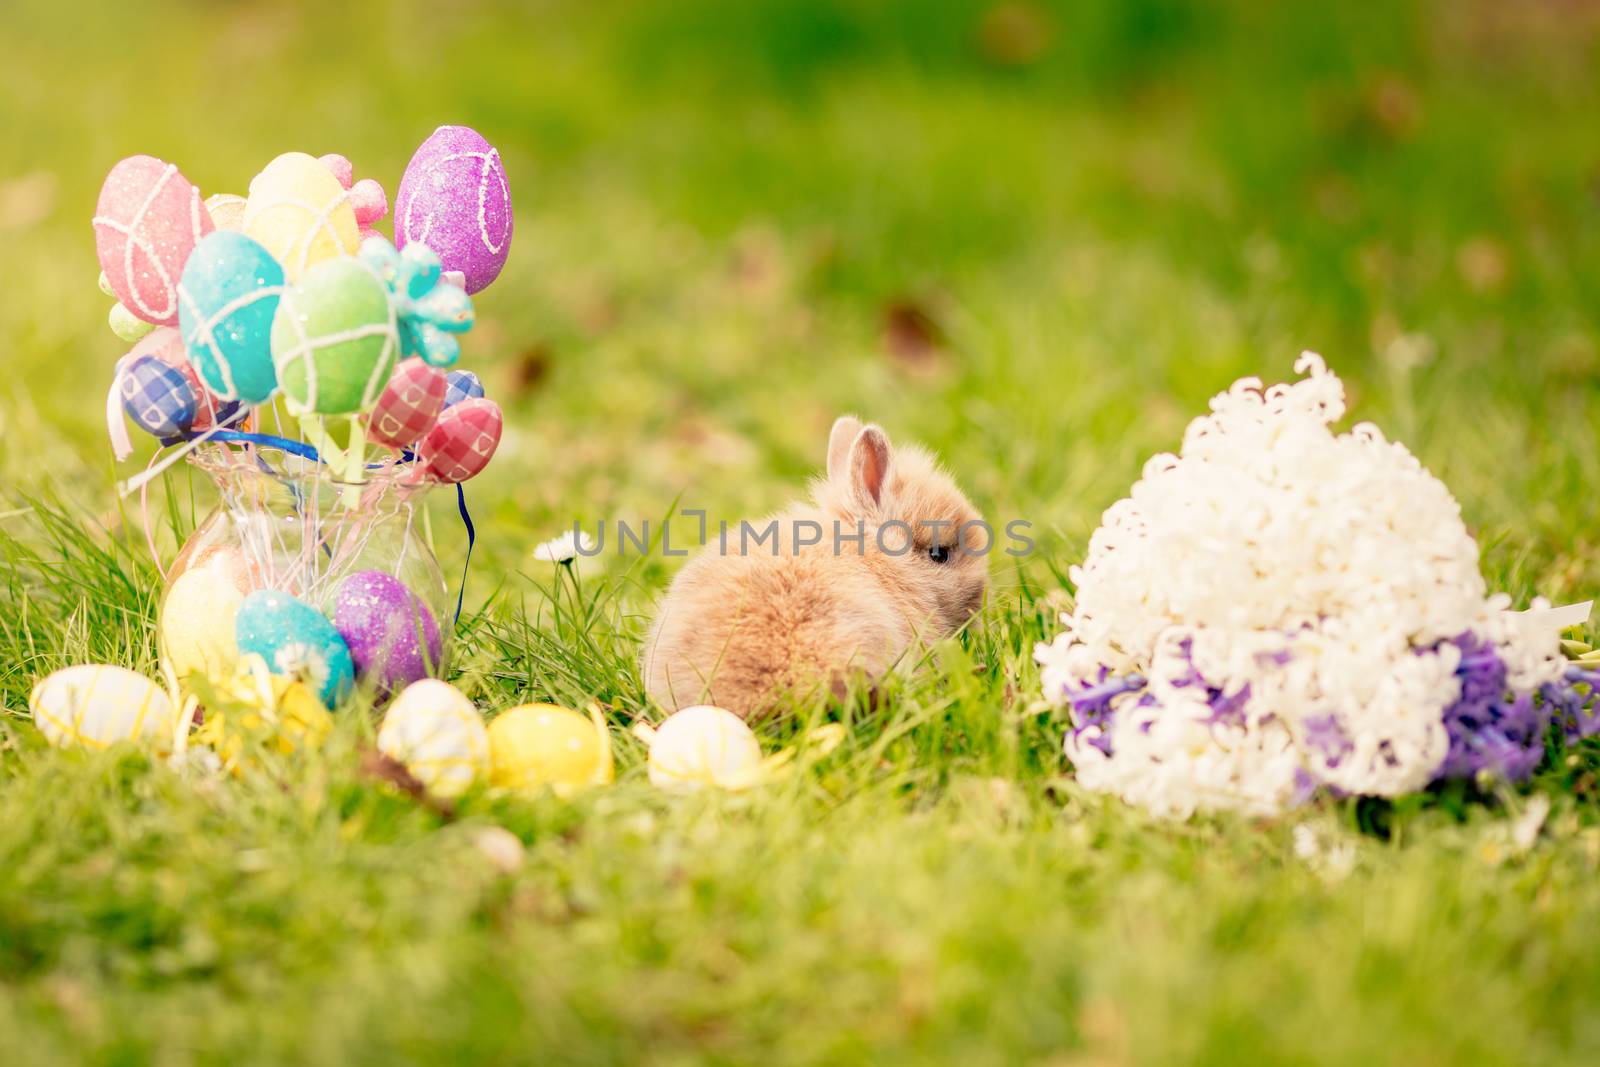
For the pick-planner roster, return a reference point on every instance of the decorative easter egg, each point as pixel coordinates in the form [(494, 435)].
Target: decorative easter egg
[(166, 344), (97, 704), (126, 325), (542, 744), (705, 745), (436, 732), (146, 223), (392, 636), (301, 213), (158, 399), (462, 442), (454, 198), (333, 340), (227, 210), (198, 613), (295, 640), (409, 406), (227, 299), (461, 385)]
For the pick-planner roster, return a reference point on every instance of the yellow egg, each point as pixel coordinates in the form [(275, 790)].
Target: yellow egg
[(227, 210), (97, 704), (542, 744), (301, 214), (195, 632), (705, 745), (438, 734)]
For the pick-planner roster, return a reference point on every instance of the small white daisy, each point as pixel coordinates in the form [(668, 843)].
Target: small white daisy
[(564, 549)]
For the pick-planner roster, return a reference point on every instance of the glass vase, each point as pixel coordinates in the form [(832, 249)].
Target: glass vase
[(354, 551)]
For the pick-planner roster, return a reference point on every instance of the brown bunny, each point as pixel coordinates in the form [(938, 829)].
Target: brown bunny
[(748, 621)]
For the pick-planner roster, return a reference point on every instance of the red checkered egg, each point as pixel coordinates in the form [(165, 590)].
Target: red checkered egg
[(463, 441), (409, 405)]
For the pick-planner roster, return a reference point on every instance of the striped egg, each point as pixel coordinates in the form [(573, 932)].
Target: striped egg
[(95, 705), (227, 300), (146, 222), (409, 406), (704, 745), (463, 441), (158, 398), (438, 734)]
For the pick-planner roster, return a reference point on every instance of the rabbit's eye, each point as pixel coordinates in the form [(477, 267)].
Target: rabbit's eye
[(939, 553)]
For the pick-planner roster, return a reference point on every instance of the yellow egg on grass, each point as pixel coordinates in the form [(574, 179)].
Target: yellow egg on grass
[(546, 745), (438, 734), (705, 745), (95, 705)]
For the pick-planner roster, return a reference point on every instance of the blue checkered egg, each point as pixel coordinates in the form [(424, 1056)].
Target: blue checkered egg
[(461, 385), (227, 299), (297, 641), (158, 398)]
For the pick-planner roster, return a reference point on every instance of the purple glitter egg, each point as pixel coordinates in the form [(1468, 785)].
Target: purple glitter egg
[(454, 199), (385, 625)]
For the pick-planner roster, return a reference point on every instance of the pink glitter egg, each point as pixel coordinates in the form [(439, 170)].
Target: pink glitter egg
[(146, 223), (393, 637), (409, 405), (463, 441), (454, 198)]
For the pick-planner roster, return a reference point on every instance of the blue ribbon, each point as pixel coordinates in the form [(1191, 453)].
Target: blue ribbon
[(309, 452), (472, 537)]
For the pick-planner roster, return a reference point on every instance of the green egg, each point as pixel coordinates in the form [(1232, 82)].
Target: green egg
[(333, 339)]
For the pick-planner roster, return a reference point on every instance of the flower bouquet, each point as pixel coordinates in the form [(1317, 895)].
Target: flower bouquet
[(1280, 608)]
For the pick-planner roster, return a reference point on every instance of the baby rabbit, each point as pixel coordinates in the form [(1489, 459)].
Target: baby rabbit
[(887, 555)]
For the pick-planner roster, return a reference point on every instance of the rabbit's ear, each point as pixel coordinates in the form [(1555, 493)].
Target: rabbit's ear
[(844, 432), (870, 456)]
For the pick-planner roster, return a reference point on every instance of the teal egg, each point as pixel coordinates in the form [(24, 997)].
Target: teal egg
[(227, 299), (295, 639)]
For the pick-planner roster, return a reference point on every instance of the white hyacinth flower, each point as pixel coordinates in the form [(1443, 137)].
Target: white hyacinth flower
[(1280, 607)]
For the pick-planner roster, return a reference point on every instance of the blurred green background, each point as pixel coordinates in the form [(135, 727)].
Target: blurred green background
[(1034, 236)]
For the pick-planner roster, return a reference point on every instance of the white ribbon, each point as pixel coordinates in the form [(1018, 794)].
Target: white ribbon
[(116, 426)]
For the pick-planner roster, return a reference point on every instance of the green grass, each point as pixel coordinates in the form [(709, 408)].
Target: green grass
[(1105, 212)]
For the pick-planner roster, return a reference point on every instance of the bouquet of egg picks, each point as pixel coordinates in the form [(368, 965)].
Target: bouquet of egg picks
[(1281, 609), (306, 365)]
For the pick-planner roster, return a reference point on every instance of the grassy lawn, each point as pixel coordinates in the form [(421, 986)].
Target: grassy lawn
[(1036, 238)]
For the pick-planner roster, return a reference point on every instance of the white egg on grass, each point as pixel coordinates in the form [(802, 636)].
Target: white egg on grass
[(705, 745), (438, 734), (96, 705)]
